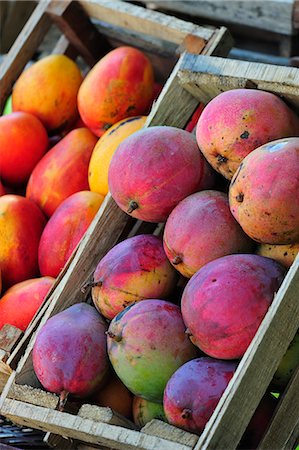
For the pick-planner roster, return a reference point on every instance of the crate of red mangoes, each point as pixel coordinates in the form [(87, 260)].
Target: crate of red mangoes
[(178, 303), (45, 116)]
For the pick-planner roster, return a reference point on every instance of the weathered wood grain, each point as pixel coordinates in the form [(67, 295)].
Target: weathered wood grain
[(105, 415), (206, 77), (268, 15), (164, 430), (85, 430), (140, 19)]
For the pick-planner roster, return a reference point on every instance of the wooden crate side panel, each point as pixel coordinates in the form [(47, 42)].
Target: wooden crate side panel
[(85, 430), (206, 77), (140, 19), (256, 368), (271, 15)]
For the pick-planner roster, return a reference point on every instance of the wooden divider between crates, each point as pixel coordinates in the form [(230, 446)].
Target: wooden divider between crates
[(204, 77)]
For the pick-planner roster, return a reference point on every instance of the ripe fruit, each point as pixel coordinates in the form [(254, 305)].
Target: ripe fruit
[(284, 254), (264, 193), (153, 170), (65, 229), (135, 269), (20, 303), (21, 225), (193, 391), (146, 344), (200, 229), (67, 160), (116, 396), (105, 148), (224, 303), (23, 142), (120, 85), (48, 89), (144, 411), (69, 353), (238, 121)]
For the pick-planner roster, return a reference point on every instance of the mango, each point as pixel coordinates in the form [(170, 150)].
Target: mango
[(146, 344), (62, 171), (153, 170), (65, 229), (23, 142), (224, 303), (104, 150), (20, 302), (120, 85), (48, 89), (236, 122), (284, 254), (200, 229), (135, 269), (116, 396), (264, 193), (69, 353), (144, 411), (194, 390), (21, 226)]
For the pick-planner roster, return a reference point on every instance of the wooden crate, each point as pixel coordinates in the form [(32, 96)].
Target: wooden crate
[(90, 29), (271, 24), (196, 79)]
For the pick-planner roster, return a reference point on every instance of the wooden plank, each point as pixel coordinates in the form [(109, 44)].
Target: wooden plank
[(38, 397), (105, 415), (5, 372), (9, 336), (148, 22), (85, 430), (285, 420), (267, 15), (164, 430), (64, 47), (256, 368), (79, 30), (23, 49), (206, 77)]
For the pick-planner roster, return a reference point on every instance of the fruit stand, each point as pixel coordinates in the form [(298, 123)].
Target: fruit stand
[(199, 75)]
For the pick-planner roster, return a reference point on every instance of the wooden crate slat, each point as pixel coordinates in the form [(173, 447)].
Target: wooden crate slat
[(23, 49), (104, 414), (256, 368), (206, 77), (280, 433), (164, 430), (267, 15), (79, 30), (84, 430), (148, 22)]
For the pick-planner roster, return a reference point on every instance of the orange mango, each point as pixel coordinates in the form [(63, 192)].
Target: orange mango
[(64, 230), (23, 142), (62, 171), (20, 303), (120, 85), (105, 148), (48, 89), (21, 225)]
